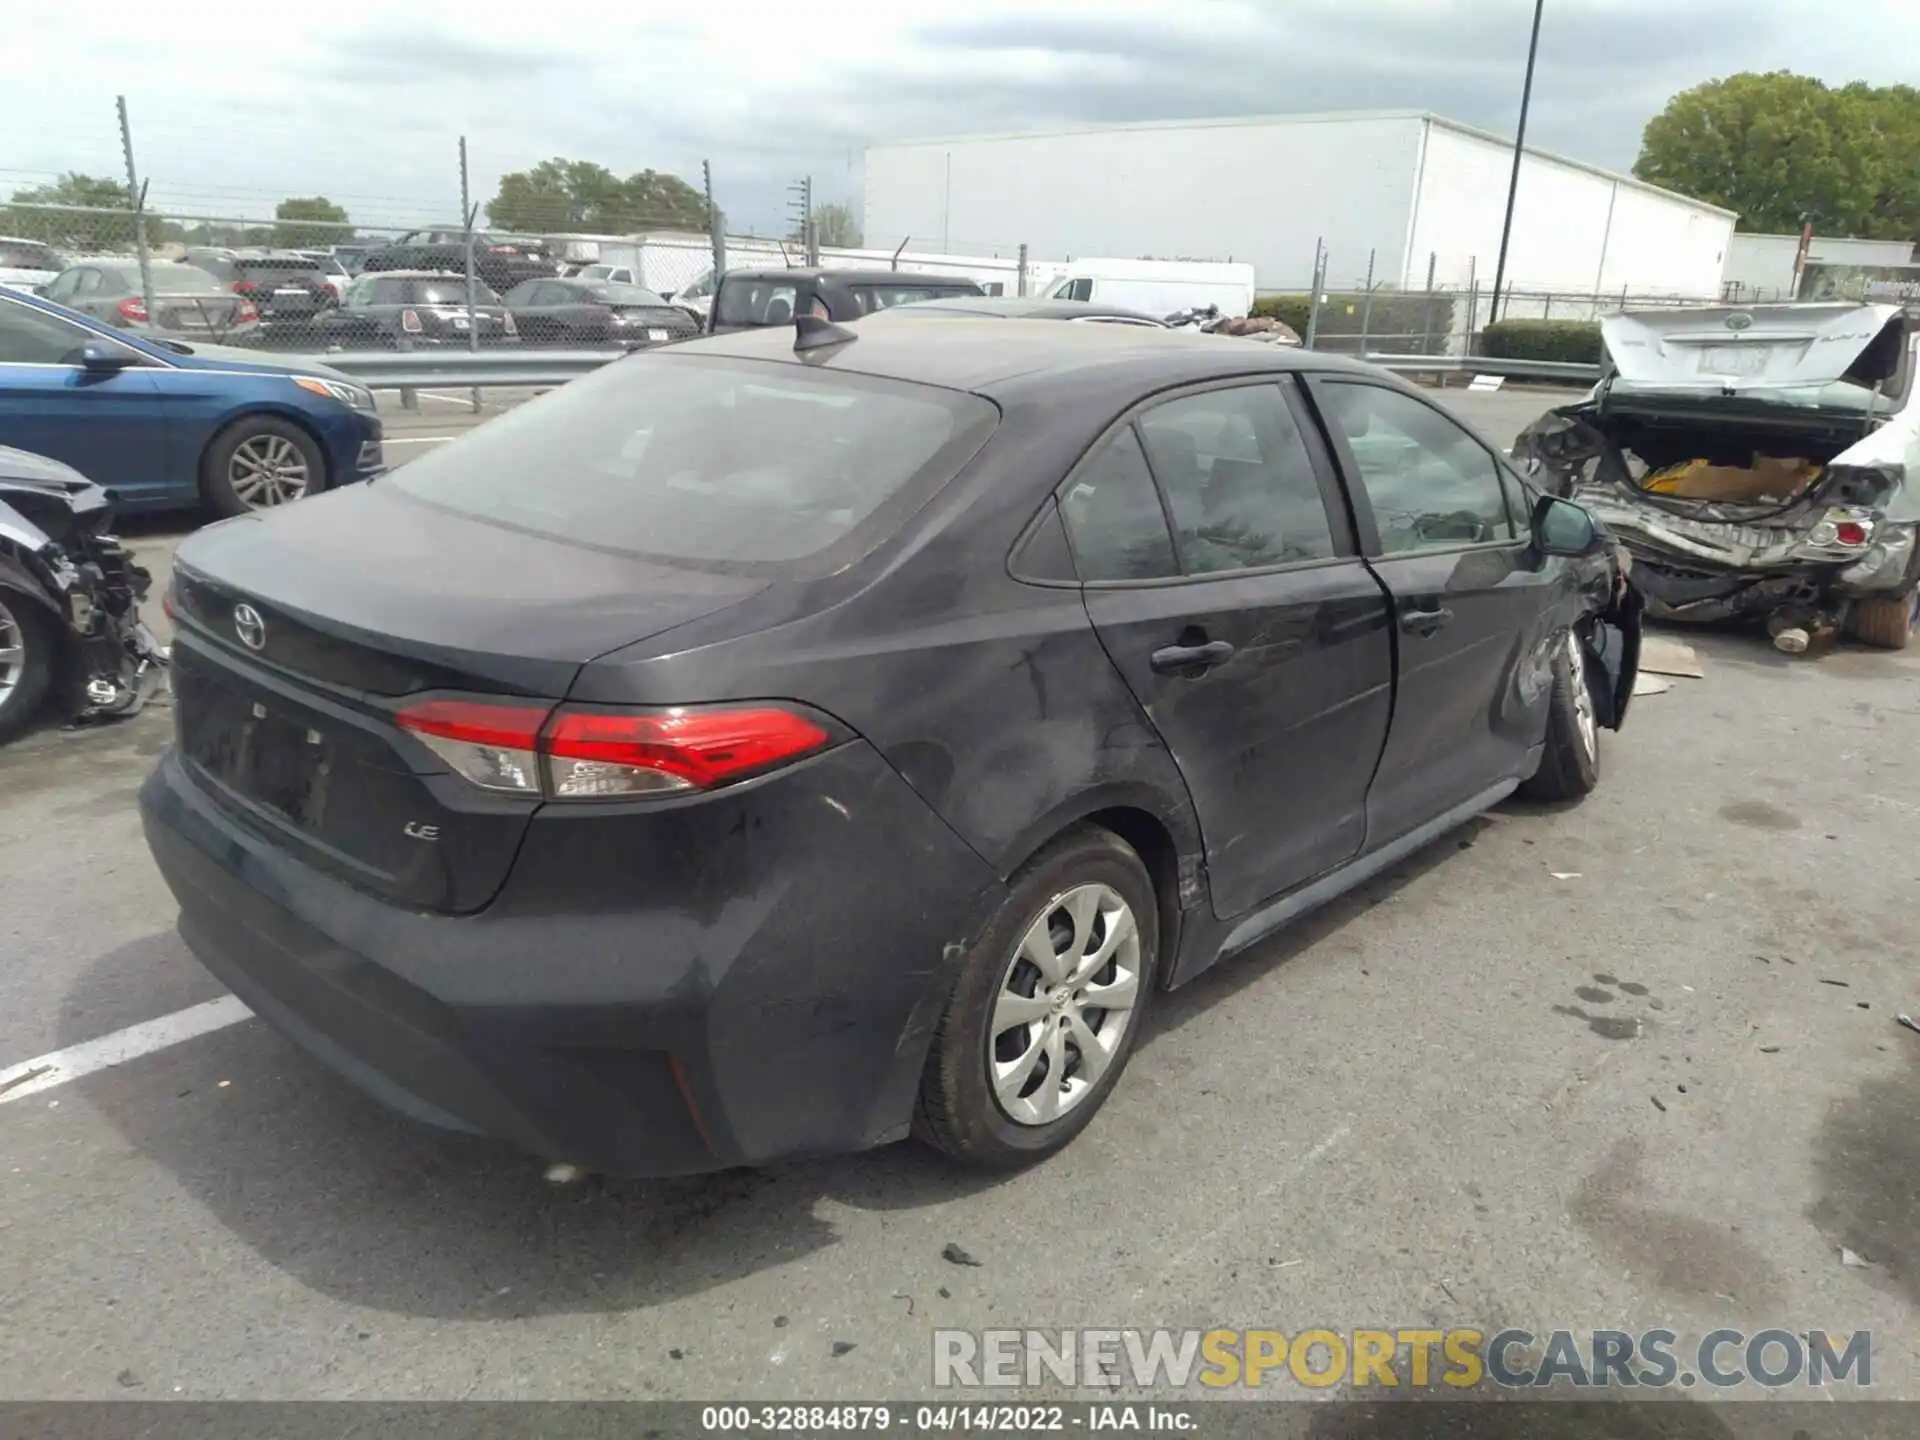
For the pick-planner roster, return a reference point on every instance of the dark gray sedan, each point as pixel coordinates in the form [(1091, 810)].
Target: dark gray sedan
[(595, 312), (192, 304)]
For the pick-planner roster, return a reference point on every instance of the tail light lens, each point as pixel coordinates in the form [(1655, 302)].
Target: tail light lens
[(133, 310), (246, 313), (508, 324), (1850, 532), (243, 287), (410, 322), (578, 753)]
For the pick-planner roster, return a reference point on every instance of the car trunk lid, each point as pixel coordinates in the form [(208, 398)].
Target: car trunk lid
[(303, 635), (1789, 353)]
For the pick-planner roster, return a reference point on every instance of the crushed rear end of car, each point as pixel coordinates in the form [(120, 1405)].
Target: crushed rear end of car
[(1760, 464)]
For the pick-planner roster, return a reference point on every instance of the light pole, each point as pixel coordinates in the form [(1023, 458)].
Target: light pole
[(1519, 149)]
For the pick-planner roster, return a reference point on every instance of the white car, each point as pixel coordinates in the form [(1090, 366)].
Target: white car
[(27, 264)]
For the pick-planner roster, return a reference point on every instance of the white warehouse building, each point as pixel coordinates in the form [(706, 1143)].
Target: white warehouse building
[(1407, 185)]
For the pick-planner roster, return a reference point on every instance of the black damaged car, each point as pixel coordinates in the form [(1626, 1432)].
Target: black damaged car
[(71, 637), (774, 744)]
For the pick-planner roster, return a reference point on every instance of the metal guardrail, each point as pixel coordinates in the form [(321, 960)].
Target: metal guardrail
[(464, 369), (473, 369), (1487, 365)]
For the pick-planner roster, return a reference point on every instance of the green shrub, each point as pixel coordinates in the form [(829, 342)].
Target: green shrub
[(1397, 322), (1576, 342)]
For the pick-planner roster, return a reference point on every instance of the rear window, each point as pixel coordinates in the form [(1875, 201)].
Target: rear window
[(449, 292), (301, 270), (170, 279), (625, 295), (723, 464)]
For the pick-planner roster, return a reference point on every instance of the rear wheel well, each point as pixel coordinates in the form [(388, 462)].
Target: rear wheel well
[(1152, 842)]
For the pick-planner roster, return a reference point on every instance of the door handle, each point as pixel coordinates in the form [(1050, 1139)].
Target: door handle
[(1191, 657), (1424, 622)]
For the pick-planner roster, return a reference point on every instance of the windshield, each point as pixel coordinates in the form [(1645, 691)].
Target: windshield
[(726, 464), (625, 295), (28, 255)]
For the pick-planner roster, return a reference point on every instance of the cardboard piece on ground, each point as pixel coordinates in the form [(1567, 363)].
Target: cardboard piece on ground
[(1645, 684), (1660, 655), (1484, 383)]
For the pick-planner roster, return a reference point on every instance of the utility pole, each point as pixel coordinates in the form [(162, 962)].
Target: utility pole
[(137, 196), (467, 216), (1519, 150)]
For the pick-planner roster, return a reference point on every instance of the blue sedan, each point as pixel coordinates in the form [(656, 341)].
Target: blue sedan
[(163, 425)]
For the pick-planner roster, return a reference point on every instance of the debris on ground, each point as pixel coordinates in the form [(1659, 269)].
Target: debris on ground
[(1564, 874), (779, 1322), (1645, 684), (1663, 655), (1852, 1261), (954, 1255), (944, 1293), (1909, 1022), (561, 1173), (1658, 1104), (842, 1347)]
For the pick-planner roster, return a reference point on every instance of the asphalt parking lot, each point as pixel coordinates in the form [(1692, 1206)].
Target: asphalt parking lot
[(1626, 1064)]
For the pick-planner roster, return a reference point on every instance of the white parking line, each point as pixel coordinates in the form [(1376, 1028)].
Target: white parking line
[(418, 439), (44, 1072)]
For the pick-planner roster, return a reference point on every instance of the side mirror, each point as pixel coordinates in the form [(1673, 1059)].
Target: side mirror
[(43, 290), (98, 359), (1561, 527)]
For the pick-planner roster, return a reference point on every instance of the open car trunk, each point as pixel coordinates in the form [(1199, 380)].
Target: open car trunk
[(1753, 461)]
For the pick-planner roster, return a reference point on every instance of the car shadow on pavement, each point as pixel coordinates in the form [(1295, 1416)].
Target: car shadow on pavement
[(374, 1209)]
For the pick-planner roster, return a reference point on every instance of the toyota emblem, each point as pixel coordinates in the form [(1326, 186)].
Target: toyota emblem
[(248, 625)]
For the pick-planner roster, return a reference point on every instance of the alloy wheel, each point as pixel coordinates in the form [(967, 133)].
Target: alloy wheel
[(13, 652), (267, 470), (1063, 1004), (1583, 717)]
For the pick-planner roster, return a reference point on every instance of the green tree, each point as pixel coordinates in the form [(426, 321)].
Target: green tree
[(307, 222), (835, 224), (562, 195), (71, 230), (1784, 149)]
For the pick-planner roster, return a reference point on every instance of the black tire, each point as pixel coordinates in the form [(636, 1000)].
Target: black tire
[(1886, 623), (26, 626), (216, 484), (1570, 765), (958, 1112)]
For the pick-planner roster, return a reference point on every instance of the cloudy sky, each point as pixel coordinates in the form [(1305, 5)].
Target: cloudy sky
[(235, 106)]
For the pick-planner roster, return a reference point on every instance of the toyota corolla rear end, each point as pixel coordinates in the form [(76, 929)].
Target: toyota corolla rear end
[(418, 818), (1758, 463)]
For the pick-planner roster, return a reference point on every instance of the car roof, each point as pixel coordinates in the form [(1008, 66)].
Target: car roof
[(1015, 307), (1026, 354), (862, 277)]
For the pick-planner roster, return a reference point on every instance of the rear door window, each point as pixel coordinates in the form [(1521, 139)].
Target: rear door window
[(1114, 521), (1239, 480), (718, 464)]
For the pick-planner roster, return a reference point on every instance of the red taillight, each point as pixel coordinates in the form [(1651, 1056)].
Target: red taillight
[(133, 309), (492, 745), (509, 326), (594, 753), (410, 322), (245, 313), (582, 754), (243, 287), (167, 606), (1850, 532)]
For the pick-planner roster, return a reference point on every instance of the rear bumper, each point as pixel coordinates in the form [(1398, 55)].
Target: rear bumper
[(747, 977)]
